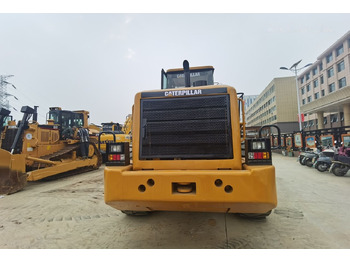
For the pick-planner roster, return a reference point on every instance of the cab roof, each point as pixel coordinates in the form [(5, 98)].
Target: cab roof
[(191, 68)]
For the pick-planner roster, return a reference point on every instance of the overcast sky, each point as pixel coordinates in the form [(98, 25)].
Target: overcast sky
[(98, 62)]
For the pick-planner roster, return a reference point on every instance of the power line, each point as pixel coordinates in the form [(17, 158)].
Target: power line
[(4, 102)]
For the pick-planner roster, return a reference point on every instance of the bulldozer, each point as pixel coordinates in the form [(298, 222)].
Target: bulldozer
[(31, 151), (190, 152), (114, 133)]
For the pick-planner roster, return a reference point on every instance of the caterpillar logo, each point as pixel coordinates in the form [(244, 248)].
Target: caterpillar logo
[(183, 92)]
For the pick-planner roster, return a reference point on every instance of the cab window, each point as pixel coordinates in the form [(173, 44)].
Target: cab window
[(176, 79)]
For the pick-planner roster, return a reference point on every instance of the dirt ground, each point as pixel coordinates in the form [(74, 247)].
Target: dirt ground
[(313, 213)]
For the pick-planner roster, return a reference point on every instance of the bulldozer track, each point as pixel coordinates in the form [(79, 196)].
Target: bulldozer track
[(69, 149)]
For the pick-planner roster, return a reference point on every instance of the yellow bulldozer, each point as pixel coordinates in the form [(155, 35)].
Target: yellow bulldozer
[(190, 152), (114, 133), (31, 151)]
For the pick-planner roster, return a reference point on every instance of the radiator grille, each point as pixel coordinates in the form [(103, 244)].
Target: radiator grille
[(9, 138), (186, 128)]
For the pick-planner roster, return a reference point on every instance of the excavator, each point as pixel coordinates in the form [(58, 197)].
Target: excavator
[(190, 152), (114, 133), (31, 151)]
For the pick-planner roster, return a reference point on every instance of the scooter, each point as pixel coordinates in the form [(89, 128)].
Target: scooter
[(308, 158), (341, 163), (324, 161), (340, 166), (302, 155)]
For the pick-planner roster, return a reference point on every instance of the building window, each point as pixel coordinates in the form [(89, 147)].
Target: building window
[(331, 88), (304, 101), (302, 80), (329, 58), (308, 88), (330, 72), (325, 120), (314, 71), (316, 83), (334, 118), (341, 66), (339, 50), (303, 90), (321, 78), (309, 99), (322, 92), (317, 95), (341, 116), (311, 123), (342, 82), (307, 76), (320, 67)]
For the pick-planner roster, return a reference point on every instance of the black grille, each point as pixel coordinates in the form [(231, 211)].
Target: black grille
[(9, 138), (186, 128)]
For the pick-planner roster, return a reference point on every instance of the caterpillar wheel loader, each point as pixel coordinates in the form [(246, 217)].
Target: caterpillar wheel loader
[(190, 152), (32, 151), (114, 133)]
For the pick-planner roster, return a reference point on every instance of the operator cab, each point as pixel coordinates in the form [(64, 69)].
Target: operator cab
[(112, 127), (187, 77), (4, 117), (65, 119)]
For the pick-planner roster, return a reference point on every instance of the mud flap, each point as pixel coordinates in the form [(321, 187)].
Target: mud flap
[(13, 177)]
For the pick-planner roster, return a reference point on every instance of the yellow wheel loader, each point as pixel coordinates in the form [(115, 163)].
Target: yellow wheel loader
[(190, 152), (32, 151), (114, 133)]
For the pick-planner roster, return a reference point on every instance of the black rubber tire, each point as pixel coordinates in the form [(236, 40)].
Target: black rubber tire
[(255, 215), (322, 167), (339, 171), (301, 161), (309, 163), (135, 213)]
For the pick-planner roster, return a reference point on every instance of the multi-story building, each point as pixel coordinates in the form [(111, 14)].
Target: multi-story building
[(277, 104), (324, 89), (248, 100)]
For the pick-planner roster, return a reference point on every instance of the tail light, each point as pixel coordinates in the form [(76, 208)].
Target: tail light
[(258, 151), (118, 154)]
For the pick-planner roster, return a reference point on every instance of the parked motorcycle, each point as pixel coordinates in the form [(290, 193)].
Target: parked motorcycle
[(324, 160), (302, 155), (341, 163), (309, 158), (300, 158)]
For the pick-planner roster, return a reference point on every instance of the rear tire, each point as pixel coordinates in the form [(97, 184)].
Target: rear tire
[(339, 170), (256, 216), (135, 213), (322, 167), (308, 162)]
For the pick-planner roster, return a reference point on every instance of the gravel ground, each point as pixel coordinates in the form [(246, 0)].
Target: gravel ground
[(70, 213)]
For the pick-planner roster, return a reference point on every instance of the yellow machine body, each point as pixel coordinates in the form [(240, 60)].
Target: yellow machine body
[(176, 184), (112, 134)]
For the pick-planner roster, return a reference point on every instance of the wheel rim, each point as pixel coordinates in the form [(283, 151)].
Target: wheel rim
[(322, 167)]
